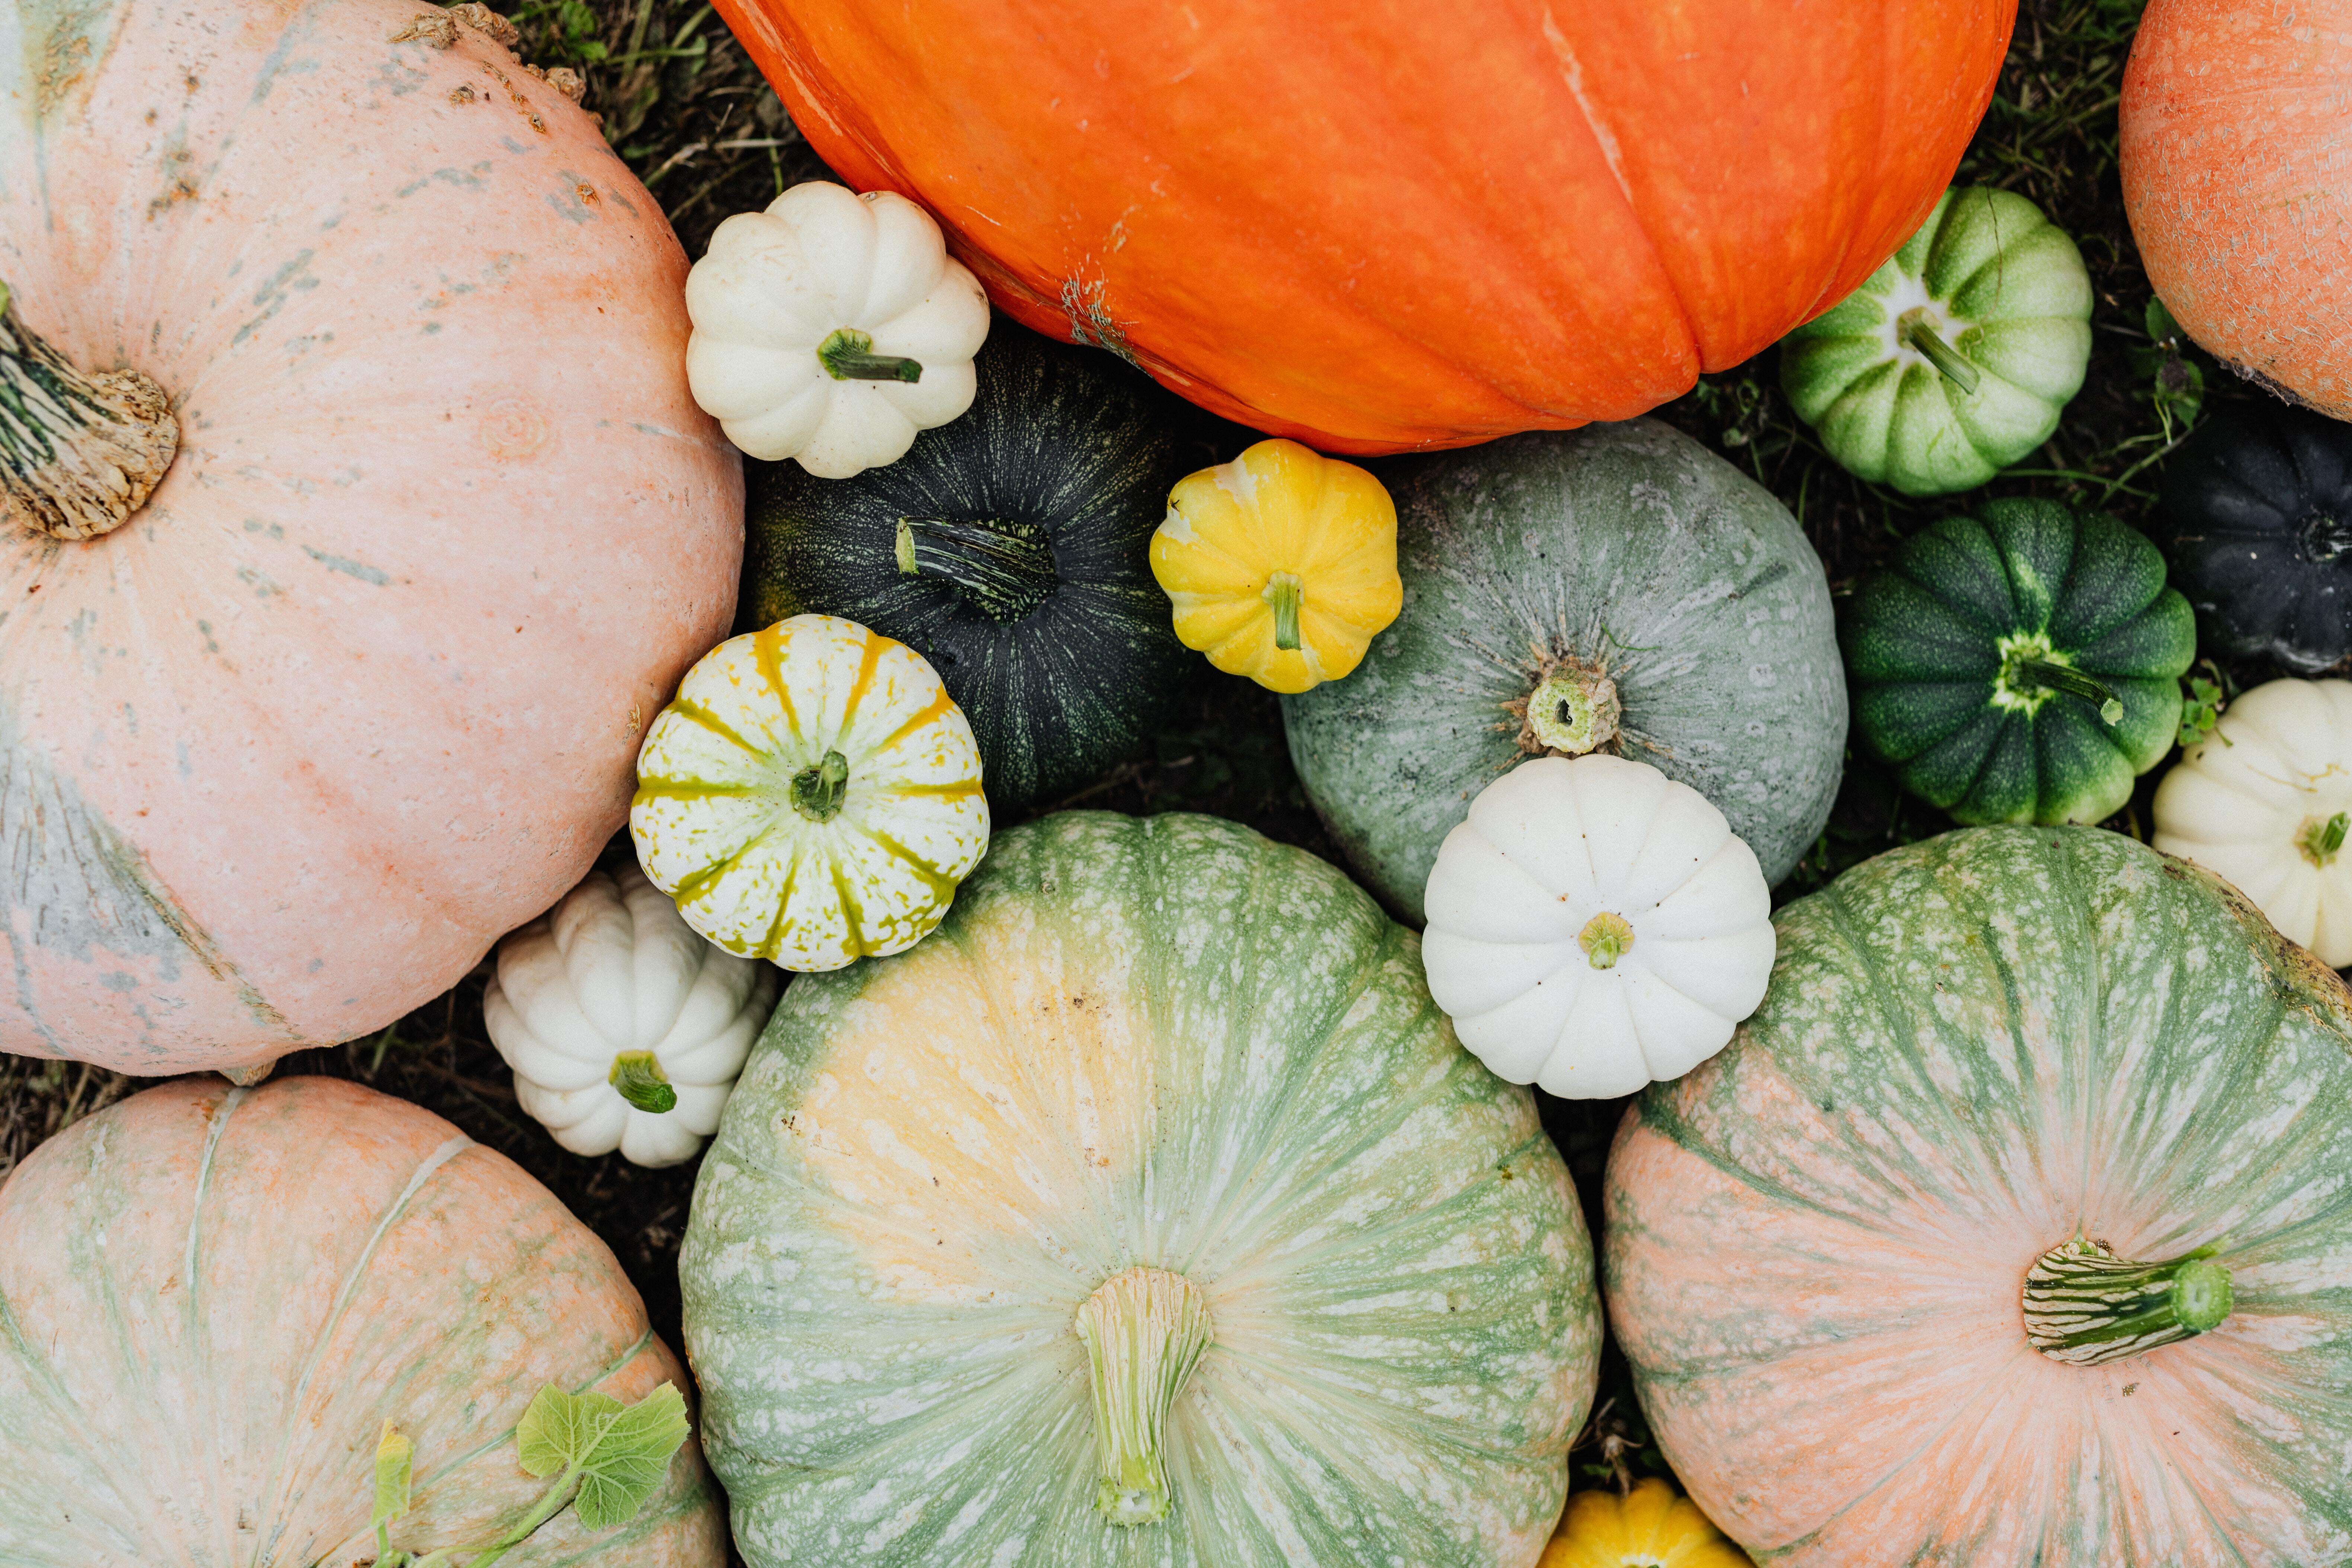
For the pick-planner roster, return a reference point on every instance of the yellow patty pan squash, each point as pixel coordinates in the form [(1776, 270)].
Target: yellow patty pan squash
[(1649, 1527), (1282, 565)]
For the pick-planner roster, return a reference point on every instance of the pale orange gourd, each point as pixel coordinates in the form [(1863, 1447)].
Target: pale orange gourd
[(359, 686), (212, 1299)]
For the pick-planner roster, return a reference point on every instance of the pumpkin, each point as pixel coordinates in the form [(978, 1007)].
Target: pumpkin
[(1008, 549), (1147, 1213), (811, 797), (624, 1025), (2232, 150), (2010, 1229), (2256, 518), (829, 329), (215, 1299), (1621, 589), (354, 691), (1594, 925), (1649, 1527), (1281, 564), (2022, 664), (2264, 802), (1449, 224), (1956, 358)]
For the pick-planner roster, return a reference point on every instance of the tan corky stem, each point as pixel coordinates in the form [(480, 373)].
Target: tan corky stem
[(78, 453)]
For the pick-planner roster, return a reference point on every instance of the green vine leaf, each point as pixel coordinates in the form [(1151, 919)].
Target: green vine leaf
[(620, 1452)]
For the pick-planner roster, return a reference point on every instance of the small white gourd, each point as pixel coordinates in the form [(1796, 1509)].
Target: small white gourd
[(831, 328), (1594, 926), (625, 1029), (2264, 803)]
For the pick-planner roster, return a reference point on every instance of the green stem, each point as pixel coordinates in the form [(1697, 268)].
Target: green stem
[(1916, 332), (848, 355), (1000, 566), (1574, 710), (639, 1076), (1145, 1330), (1605, 939), (78, 453), (2321, 841), (818, 790), (2084, 1305), (550, 1502), (2028, 673), (1287, 595)]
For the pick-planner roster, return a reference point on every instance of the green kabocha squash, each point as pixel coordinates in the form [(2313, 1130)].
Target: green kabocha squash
[(1956, 358), (1618, 588), (1010, 549), (2023, 665), (1146, 1214)]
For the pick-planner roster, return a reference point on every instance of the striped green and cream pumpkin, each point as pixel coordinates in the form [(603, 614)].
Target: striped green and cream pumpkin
[(2014, 1228), (1146, 1214)]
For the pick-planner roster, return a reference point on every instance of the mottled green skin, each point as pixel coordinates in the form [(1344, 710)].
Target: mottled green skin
[(1975, 1048), (1922, 642), (1063, 438), (1629, 543), (1168, 1042), (2014, 300)]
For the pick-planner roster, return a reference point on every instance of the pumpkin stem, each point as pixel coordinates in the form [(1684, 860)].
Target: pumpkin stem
[(639, 1076), (848, 355), (1574, 711), (1605, 939), (2325, 537), (1287, 595), (2084, 1305), (1915, 331), (817, 790), (2321, 840), (1002, 567), (2040, 674), (1145, 1330), (79, 454)]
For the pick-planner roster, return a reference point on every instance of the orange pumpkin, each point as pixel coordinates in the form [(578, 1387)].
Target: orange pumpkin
[(1384, 225), (212, 1299), (2234, 148), (359, 687)]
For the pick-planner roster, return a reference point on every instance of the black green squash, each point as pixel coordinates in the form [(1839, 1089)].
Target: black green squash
[(2257, 519), (2021, 665), (1010, 549)]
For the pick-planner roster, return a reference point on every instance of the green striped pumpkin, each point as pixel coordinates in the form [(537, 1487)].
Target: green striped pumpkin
[(2015, 1229), (1148, 1212)]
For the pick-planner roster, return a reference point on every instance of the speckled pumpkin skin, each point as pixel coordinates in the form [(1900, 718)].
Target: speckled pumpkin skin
[(1167, 1042), (1817, 1242), (359, 687), (212, 1299)]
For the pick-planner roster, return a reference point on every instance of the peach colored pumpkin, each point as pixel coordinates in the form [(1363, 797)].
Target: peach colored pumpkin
[(2235, 151), (212, 1299), (359, 687)]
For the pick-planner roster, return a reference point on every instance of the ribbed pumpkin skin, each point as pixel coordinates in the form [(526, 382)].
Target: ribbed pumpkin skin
[(212, 1299), (1443, 225), (2234, 146), (359, 686), (1056, 439), (1631, 540), (1817, 1242), (1168, 1042)]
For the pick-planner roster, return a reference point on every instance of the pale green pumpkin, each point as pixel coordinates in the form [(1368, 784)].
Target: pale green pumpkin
[(1146, 1214)]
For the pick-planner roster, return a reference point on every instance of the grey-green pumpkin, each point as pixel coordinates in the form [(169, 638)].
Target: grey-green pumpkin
[(1148, 1212), (1535, 570)]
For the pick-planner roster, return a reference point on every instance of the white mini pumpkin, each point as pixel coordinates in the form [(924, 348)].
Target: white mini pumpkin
[(2264, 803), (831, 328), (625, 1028), (1594, 925)]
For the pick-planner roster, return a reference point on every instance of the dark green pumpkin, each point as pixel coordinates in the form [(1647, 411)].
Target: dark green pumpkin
[(2022, 664), (1010, 549)]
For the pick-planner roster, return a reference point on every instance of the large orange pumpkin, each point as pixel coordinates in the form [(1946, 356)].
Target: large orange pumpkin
[(212, 1299), (359, 687), (2235, 156), (1393, 224)]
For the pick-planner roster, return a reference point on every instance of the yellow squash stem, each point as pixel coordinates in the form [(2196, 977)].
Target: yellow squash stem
[(1145, 1330)]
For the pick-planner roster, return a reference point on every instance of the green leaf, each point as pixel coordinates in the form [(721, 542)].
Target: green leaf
[(395, 1454), (621, 1452), (2160, 322)]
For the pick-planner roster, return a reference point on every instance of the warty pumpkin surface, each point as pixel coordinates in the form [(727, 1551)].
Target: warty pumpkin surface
[(358, 687), (212, 1299), (1451, 223), (1161, 1064), (1976, 1050)]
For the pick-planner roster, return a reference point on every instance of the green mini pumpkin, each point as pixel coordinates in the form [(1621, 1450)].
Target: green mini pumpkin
[(1954, 359), (2022, 664), (1010, 549), (1149, 1214)]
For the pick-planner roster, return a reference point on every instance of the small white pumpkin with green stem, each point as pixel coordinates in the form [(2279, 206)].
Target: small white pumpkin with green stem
[(625, 1028), (1594, 926), (2264, 803), (831, 328)]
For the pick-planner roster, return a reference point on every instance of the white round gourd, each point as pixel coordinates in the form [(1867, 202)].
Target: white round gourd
[(1594, 926), (2264, 803), (610, 1008)]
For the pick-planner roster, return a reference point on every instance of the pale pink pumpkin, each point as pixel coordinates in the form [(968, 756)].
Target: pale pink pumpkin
[(212, 1299), (359, 687)]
